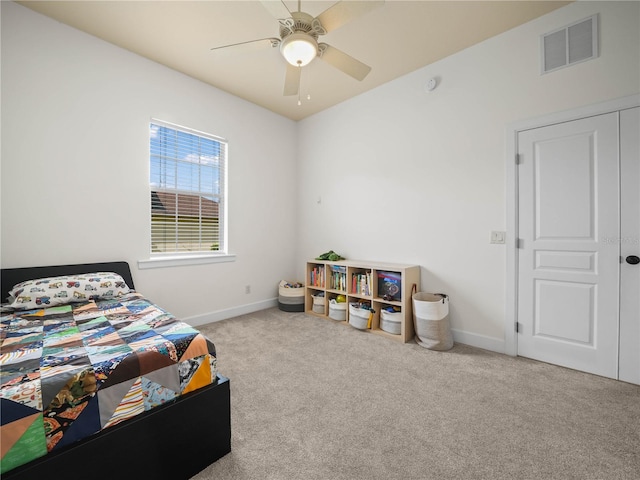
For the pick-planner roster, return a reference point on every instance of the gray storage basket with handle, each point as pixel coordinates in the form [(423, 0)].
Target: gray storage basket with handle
[(431, 320)]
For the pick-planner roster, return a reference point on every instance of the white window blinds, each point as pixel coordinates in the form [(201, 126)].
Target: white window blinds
[(188, 190)]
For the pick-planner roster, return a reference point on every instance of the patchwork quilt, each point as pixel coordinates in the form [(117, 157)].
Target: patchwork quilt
[(70, 371)]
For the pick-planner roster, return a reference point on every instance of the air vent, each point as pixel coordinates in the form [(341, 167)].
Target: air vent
[(565, 46)]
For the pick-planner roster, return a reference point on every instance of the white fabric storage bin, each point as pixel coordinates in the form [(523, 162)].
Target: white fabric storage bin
[(318, 304), (359, 317), (391, 322), (337, 311), (290, 299), (285, 291), (431, 321)]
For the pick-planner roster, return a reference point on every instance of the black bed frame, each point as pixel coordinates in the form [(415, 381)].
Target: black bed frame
[(176, 440)]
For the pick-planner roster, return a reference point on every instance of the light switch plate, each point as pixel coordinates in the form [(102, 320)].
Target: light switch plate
[(497, 237)]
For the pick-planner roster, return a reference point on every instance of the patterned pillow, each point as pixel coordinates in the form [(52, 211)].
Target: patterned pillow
[(48, 292)]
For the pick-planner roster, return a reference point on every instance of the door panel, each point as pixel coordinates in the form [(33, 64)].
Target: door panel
[(561, 165), (568, 184), (564, 311), (558, 261), (630, 245)]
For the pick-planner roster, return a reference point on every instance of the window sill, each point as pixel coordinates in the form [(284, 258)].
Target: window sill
[(182, 260)]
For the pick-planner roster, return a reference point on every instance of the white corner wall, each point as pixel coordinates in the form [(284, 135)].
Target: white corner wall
[(75, 174), (403, 175), (415, 177)]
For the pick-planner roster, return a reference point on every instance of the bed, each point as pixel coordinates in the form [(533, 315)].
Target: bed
[(148, 427)]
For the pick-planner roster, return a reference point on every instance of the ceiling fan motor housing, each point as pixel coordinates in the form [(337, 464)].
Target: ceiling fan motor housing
[(299, 44), (301, 22)]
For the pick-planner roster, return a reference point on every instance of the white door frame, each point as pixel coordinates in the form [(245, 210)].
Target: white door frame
[(512, 130)]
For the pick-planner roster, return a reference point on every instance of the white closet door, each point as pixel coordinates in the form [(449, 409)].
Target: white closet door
[(568, 260), (630, 245)]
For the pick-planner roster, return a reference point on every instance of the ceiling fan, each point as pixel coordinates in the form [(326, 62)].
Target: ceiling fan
[(299, 34)]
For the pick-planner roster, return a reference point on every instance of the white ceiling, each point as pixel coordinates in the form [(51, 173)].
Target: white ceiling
[(394, 39)]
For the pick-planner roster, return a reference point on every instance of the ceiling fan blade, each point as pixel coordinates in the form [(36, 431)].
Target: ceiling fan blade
[(277, 8), (252, 44), (292, 80), (345, 11), (344, 62)]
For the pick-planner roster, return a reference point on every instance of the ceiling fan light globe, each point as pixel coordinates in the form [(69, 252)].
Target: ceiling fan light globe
[(299, 49)]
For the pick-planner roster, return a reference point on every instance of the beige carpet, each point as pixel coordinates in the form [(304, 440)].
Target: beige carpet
[(315, 399)]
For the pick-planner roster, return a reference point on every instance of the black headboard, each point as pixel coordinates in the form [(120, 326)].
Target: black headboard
[(11, 276)]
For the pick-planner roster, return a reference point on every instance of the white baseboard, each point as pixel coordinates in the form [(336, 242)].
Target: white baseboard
[(480, 341), (459, 336), (198, 320)]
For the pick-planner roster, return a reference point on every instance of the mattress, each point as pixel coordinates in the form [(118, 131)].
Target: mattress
[(72, 370)]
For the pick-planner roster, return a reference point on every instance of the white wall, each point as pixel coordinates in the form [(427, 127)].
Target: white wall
[(415, 177), (75, 173), (404, 176)]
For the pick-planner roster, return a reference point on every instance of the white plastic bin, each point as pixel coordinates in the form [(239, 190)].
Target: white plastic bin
[(431, 320)]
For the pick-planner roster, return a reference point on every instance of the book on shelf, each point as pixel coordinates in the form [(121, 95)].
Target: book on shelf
[(316, 276), (390, 285), (338, 278), (361, 283)]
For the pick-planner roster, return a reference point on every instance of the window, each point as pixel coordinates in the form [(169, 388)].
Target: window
[(188, 191)]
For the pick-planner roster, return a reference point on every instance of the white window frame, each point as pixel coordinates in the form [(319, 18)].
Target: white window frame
[(180, 258)]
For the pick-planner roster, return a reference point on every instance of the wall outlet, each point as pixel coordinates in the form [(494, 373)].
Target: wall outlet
[(247, 289), (498, 237)]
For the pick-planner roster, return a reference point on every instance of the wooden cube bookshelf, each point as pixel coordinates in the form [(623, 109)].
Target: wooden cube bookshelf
[(379, 284)]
